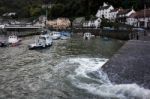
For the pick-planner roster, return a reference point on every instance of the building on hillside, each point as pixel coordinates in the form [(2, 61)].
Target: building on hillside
[(94, 23), (63, 23), (143, 18), (41, 21), (132, 20), (123, 14), (9, 14), (140, 19), (42, 18), (113, 14), (59, 23), (104, 11), (89, 24), (52, 23), (78, 22)]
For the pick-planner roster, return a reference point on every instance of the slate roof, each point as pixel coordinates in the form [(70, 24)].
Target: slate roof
[(114, 10), (105, 7), (133, 15), (140, 14), (79, 20), (124, 11)]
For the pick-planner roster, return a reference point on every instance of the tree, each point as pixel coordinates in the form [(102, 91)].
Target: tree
[(66, 8), (56, 11)]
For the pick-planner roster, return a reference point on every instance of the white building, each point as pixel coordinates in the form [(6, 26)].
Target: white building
[(92, 23), (9, 14), (41, 21), (104, 11), (132, 20), (59, 23), (88, 24), (113, 14), (123, 14), (140, 19)]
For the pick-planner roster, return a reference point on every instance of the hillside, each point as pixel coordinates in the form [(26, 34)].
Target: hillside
[(64, 8)]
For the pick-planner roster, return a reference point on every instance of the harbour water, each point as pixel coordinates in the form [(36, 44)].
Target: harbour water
[(70, 69)]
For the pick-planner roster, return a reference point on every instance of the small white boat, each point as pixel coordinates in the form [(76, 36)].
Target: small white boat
[(55, 35), (43, 42), (13, 40), (87, 36)]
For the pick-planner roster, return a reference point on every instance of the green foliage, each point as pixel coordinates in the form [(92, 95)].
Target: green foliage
[(107, 23), (34, 11), (64, 8), (57, 10)]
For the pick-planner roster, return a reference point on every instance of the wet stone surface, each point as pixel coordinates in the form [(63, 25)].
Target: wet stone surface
[(130, 64)]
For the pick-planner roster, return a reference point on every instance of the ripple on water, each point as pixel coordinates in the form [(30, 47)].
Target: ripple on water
[(99, 82)]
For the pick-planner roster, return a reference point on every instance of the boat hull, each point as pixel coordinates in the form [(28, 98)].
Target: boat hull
[(15, 43), (38, 47), (3, 44)]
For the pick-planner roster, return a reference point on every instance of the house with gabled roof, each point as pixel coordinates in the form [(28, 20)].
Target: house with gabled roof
[(104, 11), (140, 19), (92, 23), (132, 20), (78, 22), (113, 14), (123, 14)]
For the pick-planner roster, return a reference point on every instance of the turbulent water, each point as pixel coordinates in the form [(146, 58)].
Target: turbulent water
[(89, 77), (68, 70)]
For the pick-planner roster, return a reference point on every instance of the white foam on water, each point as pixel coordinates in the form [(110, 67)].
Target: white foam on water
[(122, 91), (87, 65), (105, 88)]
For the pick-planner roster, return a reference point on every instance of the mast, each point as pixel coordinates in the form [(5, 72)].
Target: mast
[(144, 15), (46, 13)]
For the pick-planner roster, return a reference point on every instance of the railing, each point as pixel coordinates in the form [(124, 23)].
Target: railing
[(22, 26)]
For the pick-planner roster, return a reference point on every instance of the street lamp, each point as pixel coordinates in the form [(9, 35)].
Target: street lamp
[(46, 6), (144, 16)]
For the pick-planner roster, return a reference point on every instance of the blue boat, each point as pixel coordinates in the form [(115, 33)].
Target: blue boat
[(65, 35), (106, 38)]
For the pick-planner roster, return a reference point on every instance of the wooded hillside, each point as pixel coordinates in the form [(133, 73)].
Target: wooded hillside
[(64, 8)]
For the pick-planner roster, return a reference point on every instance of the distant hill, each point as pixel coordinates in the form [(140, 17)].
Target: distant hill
[(64, 8)]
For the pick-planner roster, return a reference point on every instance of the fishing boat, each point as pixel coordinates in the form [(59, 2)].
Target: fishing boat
[(65, 35), (55, 35), (106, 38), (42, 42), (13, 40), (87, 36)]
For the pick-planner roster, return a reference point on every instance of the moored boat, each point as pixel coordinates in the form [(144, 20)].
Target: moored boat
[(65, 35), (42, 42), (55, 35), (87, 36), (13, 40)]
